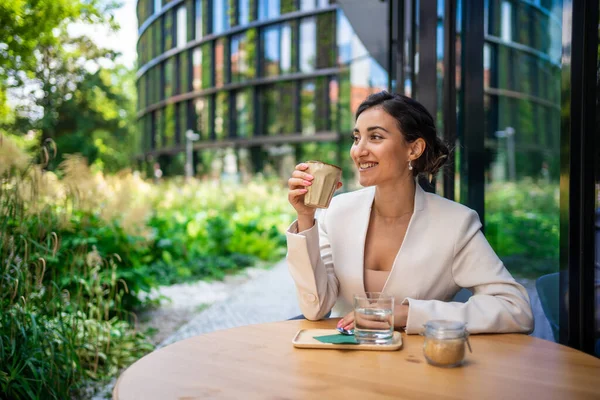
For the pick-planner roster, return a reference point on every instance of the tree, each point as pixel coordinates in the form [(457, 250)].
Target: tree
[(29, 24), (77, 96)]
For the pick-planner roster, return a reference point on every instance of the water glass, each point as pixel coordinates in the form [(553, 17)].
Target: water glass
[(373, 318)]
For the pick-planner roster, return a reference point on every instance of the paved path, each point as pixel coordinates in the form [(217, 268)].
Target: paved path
[(269, 297)]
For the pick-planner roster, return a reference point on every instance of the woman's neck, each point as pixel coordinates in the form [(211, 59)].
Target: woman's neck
[(394, 200)]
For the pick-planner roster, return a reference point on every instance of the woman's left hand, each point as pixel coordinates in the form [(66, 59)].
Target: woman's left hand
[(400, 318)]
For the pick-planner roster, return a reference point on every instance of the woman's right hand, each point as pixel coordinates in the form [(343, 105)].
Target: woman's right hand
[(298, 184)]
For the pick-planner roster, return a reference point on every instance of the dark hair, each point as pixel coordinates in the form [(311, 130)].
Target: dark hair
[(414, 121)]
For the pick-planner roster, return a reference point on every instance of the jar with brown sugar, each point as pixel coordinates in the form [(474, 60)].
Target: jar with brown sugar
[(445, 343)]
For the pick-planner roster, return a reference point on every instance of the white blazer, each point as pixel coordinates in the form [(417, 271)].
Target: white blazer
[(443, 251)]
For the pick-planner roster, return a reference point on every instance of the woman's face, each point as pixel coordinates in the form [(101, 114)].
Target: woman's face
[(379, 151)]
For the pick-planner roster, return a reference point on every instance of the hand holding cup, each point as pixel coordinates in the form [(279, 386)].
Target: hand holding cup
[(300, 184)]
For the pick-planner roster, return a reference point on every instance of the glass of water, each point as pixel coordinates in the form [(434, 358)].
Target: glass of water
[(373, 318)]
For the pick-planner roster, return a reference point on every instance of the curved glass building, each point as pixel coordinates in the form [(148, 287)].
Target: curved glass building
[(260, 81)]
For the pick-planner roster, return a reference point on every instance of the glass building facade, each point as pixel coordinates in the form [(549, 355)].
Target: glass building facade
[(261, 79), (274, 82)]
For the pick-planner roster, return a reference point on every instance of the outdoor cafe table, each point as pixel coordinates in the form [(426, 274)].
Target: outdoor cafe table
[(260, 362)]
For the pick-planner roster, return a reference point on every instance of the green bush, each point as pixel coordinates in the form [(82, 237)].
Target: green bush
[(79, 249), (61, 322), (206, 230), (522, 225)]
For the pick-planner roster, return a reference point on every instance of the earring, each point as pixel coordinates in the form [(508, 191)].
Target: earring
[(410, 167)]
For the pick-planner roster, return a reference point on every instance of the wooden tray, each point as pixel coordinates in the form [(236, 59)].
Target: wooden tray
[(304, 339)]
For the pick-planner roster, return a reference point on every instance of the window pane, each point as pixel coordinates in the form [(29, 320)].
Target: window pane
[(201, 63), (197, 69), (321, 104), (182, 125), (220, 16), (242, 57), (244, 113), (159, 131), (157, 38), (308, 44), (169, 126), (181, 27), (307, 107), (268, 9), (222, 116), (523, 144), (198, 19), (271, 56), (151, 86), (326, 35), (142, 103), (286, 49), (286, 117), (506, 21), (248, 49), (288, 6), (345, 36), (168, 76), (334, 91), (307, 5), (202, 117), (277, 108), (219, 62), (235, 57), (244, 12), (184, 72), (168, 30), (269, 100), (144, 10), (189, 4)]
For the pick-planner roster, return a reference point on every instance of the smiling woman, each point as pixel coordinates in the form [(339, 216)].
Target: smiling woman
[(393, 237)]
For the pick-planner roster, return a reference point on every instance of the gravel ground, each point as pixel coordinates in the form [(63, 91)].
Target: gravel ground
[(180, 303)]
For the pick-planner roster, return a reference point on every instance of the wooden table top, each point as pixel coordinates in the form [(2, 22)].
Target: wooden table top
[(260, 362)]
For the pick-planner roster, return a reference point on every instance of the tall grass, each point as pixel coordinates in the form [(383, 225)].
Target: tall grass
[(61, 320)]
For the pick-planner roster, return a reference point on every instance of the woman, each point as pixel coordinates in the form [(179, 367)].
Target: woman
[(393, 237)]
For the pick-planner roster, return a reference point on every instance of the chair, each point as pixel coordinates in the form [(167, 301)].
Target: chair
[(301, 316), (547, 287), (462, 295)]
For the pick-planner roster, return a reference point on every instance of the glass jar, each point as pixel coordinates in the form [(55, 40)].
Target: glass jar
[(444, 344)]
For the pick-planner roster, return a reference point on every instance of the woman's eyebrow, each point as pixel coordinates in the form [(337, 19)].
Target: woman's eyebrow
[(372, 128)]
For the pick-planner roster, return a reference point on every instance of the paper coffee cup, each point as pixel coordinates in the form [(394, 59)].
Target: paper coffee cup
[(326, 178)]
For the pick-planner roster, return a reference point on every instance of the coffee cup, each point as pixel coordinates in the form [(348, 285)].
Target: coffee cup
[(326, 177)]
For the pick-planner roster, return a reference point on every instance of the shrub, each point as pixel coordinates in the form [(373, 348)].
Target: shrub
[(522, 225), (61, 320)]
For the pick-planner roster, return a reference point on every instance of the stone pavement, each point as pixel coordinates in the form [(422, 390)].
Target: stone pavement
[(271, 296)]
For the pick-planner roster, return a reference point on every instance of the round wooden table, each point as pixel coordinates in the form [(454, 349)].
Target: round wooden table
[(260, 362)]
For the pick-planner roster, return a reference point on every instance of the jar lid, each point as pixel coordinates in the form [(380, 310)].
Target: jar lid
[(445, 329)]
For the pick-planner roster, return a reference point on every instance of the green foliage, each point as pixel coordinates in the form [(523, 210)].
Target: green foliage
[(206, 231), (73, 92), (522, 225), (61, 317), (30, 26)]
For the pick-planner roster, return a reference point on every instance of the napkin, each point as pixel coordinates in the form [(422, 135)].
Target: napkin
[(337, 339)]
